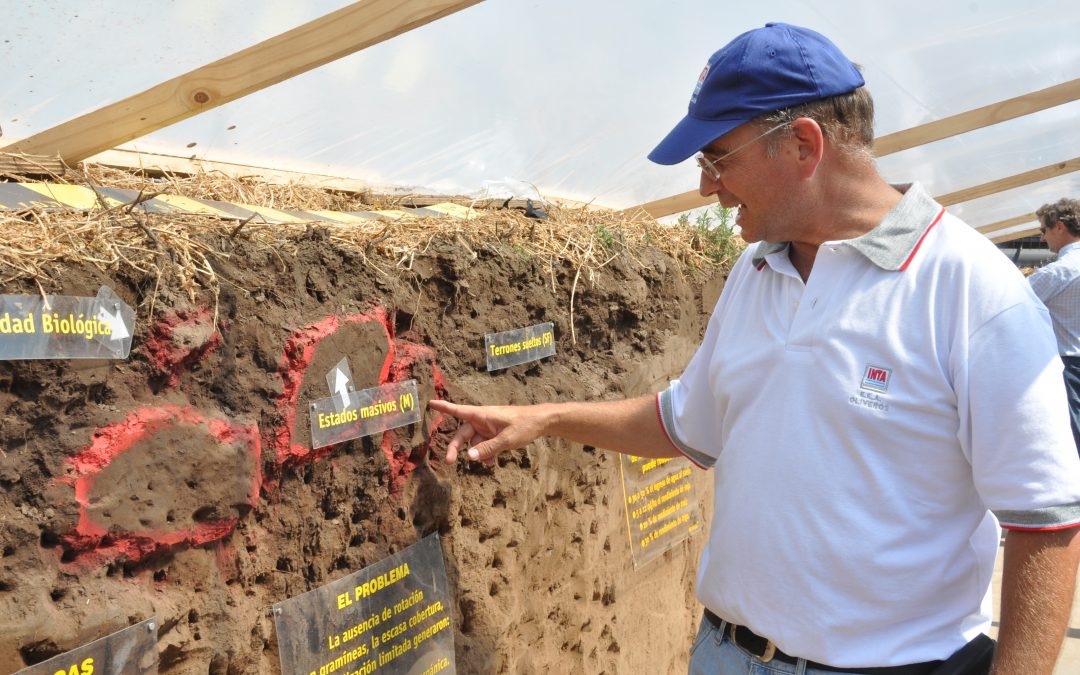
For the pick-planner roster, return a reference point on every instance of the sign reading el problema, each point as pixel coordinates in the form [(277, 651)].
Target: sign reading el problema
[(131, 651), (391, 617)]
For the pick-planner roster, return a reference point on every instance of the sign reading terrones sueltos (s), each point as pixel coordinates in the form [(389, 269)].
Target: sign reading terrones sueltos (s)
[(343, 417), (132, 650), (391, 617), (661, 504), (65, 327), (520, 345)]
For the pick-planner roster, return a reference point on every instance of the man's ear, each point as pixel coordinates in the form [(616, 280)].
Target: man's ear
[(810, 141)]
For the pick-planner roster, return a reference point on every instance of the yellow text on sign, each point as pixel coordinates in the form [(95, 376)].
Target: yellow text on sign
[(84, 668)]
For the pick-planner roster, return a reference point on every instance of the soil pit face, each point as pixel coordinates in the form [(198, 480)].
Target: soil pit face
[(184, 486)]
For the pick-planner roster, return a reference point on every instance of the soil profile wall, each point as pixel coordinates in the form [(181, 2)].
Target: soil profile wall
[(181, 482)]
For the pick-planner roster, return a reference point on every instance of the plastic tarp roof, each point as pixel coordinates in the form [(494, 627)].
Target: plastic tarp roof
[(567, 95)]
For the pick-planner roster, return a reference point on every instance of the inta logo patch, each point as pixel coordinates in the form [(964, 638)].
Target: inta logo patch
[(700, 82), (876, 378)]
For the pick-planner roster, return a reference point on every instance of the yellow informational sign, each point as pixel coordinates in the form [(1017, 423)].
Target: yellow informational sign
[(661, 504)]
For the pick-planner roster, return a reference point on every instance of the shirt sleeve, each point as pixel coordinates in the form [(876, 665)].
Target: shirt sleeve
[(1045, 283), (1014, 421)]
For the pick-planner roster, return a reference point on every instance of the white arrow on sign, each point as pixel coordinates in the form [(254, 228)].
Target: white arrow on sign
[(339, 381), (118, 329)]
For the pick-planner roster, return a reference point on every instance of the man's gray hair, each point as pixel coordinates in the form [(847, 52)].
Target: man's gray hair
[(847, 120)]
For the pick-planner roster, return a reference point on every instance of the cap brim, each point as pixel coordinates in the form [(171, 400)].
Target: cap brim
[(689, 136)]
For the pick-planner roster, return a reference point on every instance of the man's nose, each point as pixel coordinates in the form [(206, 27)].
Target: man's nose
[(709, 186)]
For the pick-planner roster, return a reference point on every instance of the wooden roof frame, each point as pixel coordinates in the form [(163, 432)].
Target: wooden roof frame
[(291, 53), (971, 120), (368, 22)]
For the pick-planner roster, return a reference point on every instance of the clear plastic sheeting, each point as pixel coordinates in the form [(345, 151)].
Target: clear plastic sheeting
[(1005, 149), (566, 96)]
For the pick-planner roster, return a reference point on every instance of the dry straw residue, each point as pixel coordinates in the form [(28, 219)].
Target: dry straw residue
[(180, 250)]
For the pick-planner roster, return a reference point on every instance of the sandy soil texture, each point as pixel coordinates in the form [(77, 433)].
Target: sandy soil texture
[(181, 482)]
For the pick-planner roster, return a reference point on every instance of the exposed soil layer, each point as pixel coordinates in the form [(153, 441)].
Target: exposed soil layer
[(181, 482)]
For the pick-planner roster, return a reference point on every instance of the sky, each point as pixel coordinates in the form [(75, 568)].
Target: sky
[(566, 96)]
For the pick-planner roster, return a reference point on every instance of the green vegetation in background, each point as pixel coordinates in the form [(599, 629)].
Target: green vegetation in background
[(714, 234)]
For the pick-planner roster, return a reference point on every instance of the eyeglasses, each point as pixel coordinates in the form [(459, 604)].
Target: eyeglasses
[(709, 166)]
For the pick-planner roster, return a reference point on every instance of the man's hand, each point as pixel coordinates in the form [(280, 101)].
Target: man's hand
[(491, 429), (631, 426)]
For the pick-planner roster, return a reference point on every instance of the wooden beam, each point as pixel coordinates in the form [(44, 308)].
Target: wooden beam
[(978, 118), (1000, 239), (674, 204), (299, 50), (155, 163), (1007, 223), (920, 135), (1002, 184)]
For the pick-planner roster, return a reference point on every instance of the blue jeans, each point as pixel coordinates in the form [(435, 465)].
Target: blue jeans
[(714, 653)]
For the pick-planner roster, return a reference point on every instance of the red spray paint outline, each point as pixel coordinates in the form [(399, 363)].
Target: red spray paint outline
[(401, 358), (171, 359), (93, 543)]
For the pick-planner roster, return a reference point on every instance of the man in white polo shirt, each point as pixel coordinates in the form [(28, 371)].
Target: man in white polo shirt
[(1058, 286), (877, 389)]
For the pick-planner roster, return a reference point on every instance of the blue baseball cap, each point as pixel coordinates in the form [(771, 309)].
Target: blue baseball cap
[(762, 70)]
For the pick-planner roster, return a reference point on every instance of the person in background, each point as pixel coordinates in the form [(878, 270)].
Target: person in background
[(1058, 286), (877, 389)]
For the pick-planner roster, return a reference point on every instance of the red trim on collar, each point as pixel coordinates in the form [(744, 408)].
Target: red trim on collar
[(919, 243), (761, 265)]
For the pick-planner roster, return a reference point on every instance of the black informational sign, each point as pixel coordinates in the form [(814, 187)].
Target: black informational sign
[(521, 345), (390, 618), (131, 651)]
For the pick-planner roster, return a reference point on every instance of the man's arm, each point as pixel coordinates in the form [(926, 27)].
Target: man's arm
[(1037, 587), (631, 426), (1045, 283)]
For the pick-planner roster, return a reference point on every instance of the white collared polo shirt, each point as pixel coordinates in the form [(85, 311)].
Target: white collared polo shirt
[(862, 427)]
